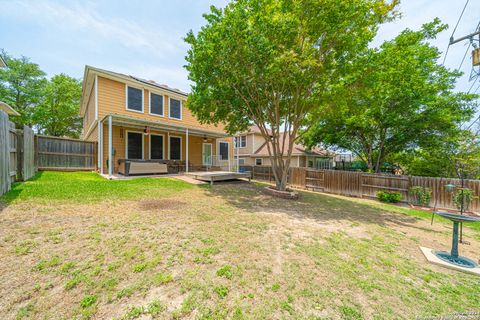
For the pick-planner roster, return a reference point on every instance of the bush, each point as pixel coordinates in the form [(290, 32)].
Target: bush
[(464, 194), (422, 195), (389, 196)]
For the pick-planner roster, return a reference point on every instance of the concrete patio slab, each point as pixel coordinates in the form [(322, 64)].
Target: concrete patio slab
[(432, 258)]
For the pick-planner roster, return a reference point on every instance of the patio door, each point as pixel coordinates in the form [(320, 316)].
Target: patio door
[(207, 154)]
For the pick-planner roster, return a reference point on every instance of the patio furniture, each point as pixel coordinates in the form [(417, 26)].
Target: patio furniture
[(131, 167)]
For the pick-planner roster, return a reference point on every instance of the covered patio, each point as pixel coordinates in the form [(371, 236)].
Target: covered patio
[(163, 147)]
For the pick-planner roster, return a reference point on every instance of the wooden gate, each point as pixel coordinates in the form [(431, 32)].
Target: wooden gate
[(63, 154)]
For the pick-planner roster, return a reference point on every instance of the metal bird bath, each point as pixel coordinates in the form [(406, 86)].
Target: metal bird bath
[(453, 256)]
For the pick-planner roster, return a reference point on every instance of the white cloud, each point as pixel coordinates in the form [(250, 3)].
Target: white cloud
[(84, 17)]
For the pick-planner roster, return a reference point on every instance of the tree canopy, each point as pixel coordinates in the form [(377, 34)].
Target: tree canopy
[(395, 98), (21, 86), (271, 63), (49, 106), (57, 114)]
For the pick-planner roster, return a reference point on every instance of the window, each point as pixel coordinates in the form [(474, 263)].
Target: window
[(223, 150), (310, 163), (134, 99), (134, 145), (175, 148), (241, 142), (241, 161), (156, 104), (156, 146), (175, 109), (258, 162)]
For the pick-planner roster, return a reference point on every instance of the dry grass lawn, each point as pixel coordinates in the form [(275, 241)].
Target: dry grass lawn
[(75, 246)]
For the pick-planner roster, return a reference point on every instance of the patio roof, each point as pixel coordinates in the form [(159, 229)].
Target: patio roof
[(9, 110), (122, 120)]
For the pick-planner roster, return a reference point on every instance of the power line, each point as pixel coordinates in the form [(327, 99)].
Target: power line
[(454, 29), (464, 56)]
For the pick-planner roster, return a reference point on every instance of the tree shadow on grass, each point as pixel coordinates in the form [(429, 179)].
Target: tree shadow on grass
[(312, 206), (16, 190)]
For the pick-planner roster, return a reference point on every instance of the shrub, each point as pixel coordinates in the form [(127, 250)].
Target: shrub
[(422, 195), (466, 194), (389, 196)]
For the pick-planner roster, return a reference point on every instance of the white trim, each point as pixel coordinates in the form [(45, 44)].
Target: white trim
[(96, 97), (100, 146), (253, 143), (228, 149), (239, 138), (150, 104), (150, 145), (126, 99), (126, 143), (203, 152), (261, 161), (186, 150), (181, 109), (181, 145), (110, 147)]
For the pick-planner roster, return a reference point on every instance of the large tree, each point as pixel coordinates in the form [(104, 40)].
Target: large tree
[(270, 63), (453, 156), (396, 98), (58, 113), (21, 86)]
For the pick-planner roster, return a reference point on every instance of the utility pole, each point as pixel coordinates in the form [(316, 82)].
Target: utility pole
[(475, 43)]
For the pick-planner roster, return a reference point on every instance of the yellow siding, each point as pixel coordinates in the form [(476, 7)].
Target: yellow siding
[(89, 116), (111, 99)]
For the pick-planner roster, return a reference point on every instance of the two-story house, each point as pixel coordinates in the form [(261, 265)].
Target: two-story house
[(251, 150), (137, 119)]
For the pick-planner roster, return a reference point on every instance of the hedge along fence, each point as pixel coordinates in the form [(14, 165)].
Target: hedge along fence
[(366, 185)]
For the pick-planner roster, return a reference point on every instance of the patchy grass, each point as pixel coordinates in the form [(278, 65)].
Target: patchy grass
[(74, 245)]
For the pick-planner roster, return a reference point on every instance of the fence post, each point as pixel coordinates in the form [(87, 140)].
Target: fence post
[(19, 138)]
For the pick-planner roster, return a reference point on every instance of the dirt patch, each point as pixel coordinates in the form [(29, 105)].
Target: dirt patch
[(160, 204)]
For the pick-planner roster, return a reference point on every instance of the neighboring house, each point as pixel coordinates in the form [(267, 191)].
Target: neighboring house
[(147, 121), (251, 149), (3, 106)]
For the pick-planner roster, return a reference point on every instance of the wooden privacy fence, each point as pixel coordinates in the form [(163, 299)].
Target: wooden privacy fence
[(16, 153), (63, 154), (365, 185)]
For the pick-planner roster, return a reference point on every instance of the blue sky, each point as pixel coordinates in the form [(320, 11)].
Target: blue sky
[(144, 38)]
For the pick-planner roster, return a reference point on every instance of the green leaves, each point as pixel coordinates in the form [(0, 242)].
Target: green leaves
[(58, 113), (395, 98), (50, 106), (275, 63)]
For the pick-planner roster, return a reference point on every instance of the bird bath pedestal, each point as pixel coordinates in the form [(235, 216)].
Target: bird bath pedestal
[(452, 259)]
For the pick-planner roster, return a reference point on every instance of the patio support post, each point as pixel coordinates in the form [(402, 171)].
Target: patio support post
[(100, 145), (186, 151), (110, 148)]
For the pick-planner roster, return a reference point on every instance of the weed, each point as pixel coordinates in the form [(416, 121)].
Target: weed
[(139, 267), (88, 301), (225, 271), (221, 290), (25, 247)]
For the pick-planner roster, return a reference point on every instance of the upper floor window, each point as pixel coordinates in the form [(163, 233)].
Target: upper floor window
[(156, 104), (241, 142), (134, 99), (175, 111)]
